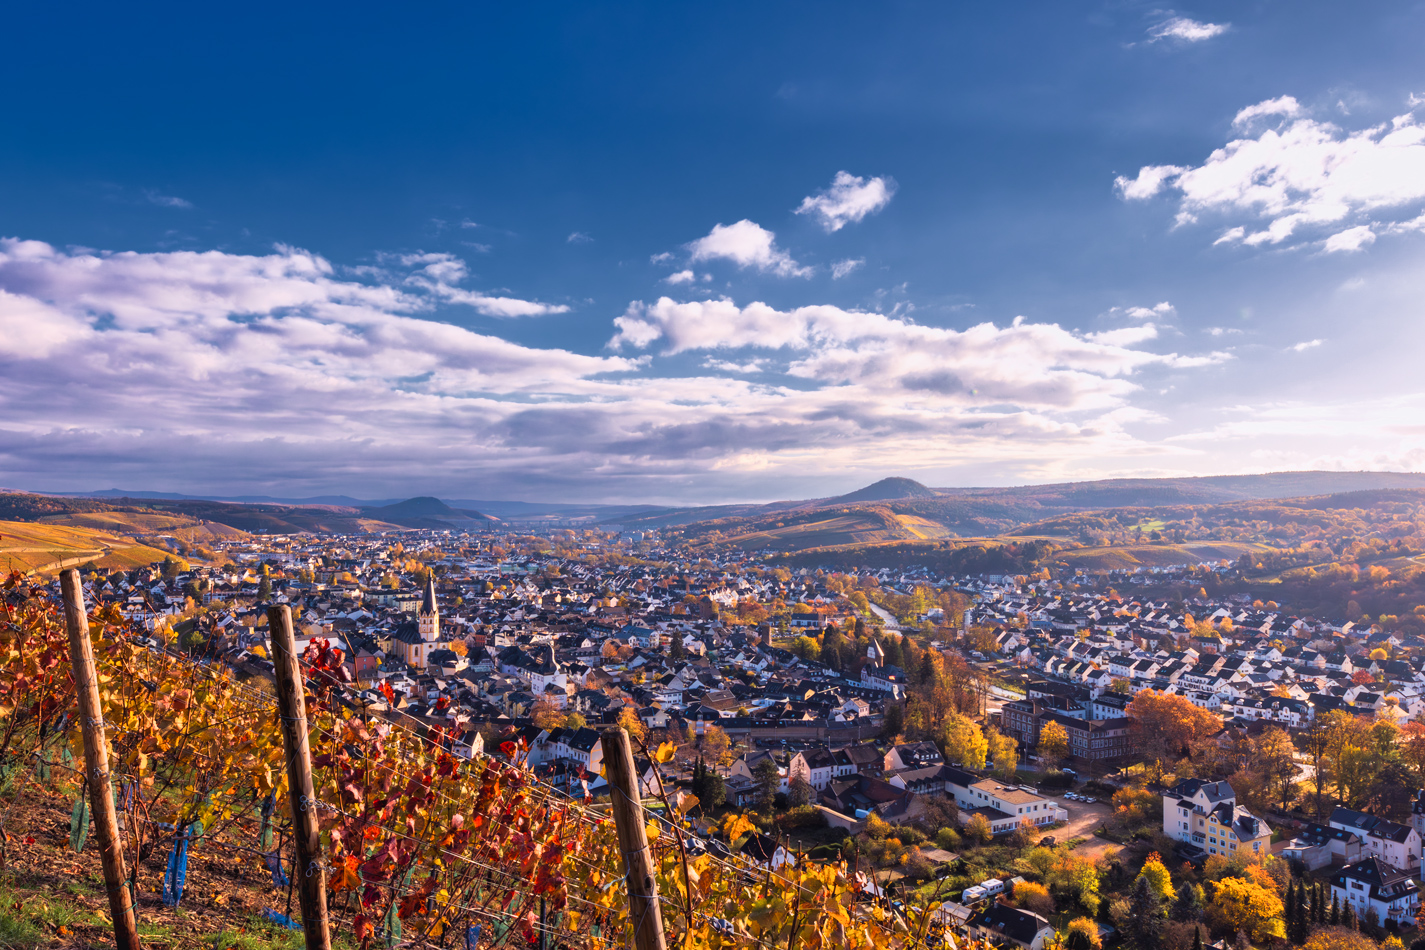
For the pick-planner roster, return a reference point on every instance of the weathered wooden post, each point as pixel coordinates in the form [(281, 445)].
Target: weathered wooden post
[(310, 873), (96, 762), (643, 904)]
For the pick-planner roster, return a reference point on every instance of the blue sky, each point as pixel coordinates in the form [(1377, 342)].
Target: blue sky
[(691, 253)]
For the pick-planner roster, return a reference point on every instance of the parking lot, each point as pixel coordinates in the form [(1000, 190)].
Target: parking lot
[(1084, 817)]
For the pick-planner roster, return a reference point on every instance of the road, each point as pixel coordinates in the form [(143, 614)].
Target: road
[(886, 617)]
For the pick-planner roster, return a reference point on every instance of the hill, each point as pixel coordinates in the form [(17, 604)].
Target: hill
[(887, 489), (31, 546), (428, 512)]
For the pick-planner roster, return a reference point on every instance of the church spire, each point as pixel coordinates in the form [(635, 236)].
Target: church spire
[(428, 599), (429, 617)]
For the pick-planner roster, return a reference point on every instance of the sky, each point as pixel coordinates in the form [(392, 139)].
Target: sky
[(698, 253)]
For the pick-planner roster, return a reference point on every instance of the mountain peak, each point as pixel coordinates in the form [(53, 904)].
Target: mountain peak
[(888, 489)]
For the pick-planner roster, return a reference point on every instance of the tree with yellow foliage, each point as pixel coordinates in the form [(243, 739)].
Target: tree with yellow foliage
[(1245, 905), (1159, 878), (628, 719), (1053, 744)]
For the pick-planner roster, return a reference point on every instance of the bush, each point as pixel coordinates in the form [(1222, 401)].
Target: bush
[(803, 816), (1055, 779), (947, 838)]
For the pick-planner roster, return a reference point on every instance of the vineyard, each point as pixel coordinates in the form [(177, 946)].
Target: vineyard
[(418, 847)]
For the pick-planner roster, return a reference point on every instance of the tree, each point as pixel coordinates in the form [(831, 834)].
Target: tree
[(676, 651), (1145, 921), (964, 741), (1248, 906), (264, 587), (1188, 906), (978, 828), (545, 715), (575, 721), (628, 719), (1339, 938), (1275, 760), (707, 786), (767, 777), (1082, 934), (1053, 744), (800, 792), (1157, 875), (1167, 726), (1003, 751), (1034, 898), (716, 745)]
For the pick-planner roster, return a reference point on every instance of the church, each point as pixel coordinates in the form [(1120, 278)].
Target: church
[(415, 642)]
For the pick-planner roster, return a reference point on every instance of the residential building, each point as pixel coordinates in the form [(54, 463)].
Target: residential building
[(1373, 885)]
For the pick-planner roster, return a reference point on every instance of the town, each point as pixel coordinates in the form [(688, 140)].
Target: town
[(975, 740)]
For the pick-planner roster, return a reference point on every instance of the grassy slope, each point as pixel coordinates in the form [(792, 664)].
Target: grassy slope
[(27, 545)]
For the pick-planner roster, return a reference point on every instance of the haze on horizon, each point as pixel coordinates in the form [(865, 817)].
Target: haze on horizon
[(634, 252)]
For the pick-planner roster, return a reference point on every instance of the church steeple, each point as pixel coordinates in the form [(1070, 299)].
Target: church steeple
[(429, 616)]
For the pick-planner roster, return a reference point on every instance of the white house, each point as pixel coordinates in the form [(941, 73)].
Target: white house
[(1373, 885), (1396, 844)]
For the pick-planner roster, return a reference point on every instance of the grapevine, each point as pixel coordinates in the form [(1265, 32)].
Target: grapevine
[(419, 846)]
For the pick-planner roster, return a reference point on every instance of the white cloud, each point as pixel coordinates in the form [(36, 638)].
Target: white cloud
[(1304, 176), (841, 268), (579, 237), (1187, 30), (849, 199), (1283, 106), (747, 244), (438, 273), (1027, 364), (1149, 181), (727, 366), (166, 201), (1306, 345), (1157, 312), (661, 258), (1351, 239), (681, 277)]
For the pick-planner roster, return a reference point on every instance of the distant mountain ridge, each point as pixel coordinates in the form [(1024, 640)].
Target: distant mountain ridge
[(894, 508)]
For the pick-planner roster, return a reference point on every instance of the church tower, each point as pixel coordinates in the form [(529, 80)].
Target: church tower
[(429, 615)]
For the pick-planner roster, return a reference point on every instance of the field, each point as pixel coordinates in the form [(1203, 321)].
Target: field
[(1129, 556), (28, 546)]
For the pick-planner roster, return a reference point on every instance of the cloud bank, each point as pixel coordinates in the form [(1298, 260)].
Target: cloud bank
[(275, 373)]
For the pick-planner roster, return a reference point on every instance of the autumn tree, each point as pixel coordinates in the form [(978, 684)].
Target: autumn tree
[(978, 828), (1053, 744), (1275, 760), (1034, 898), (628, 719), (1166, 726), (1003, 751), (1241, 904), (546, 715), (1157, 875), (717, 746), (964, 741)]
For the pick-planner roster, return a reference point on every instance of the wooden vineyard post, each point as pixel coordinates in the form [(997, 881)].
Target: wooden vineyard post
[(309, 873), (643, 905), (96, 762)]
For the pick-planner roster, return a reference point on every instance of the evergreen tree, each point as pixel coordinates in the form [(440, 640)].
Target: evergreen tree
[(1318, 904), (1290, 915), (1335, 910), (1348, 917), (1188, 905), (1145, 923), (676, 651), (1197, 937)]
